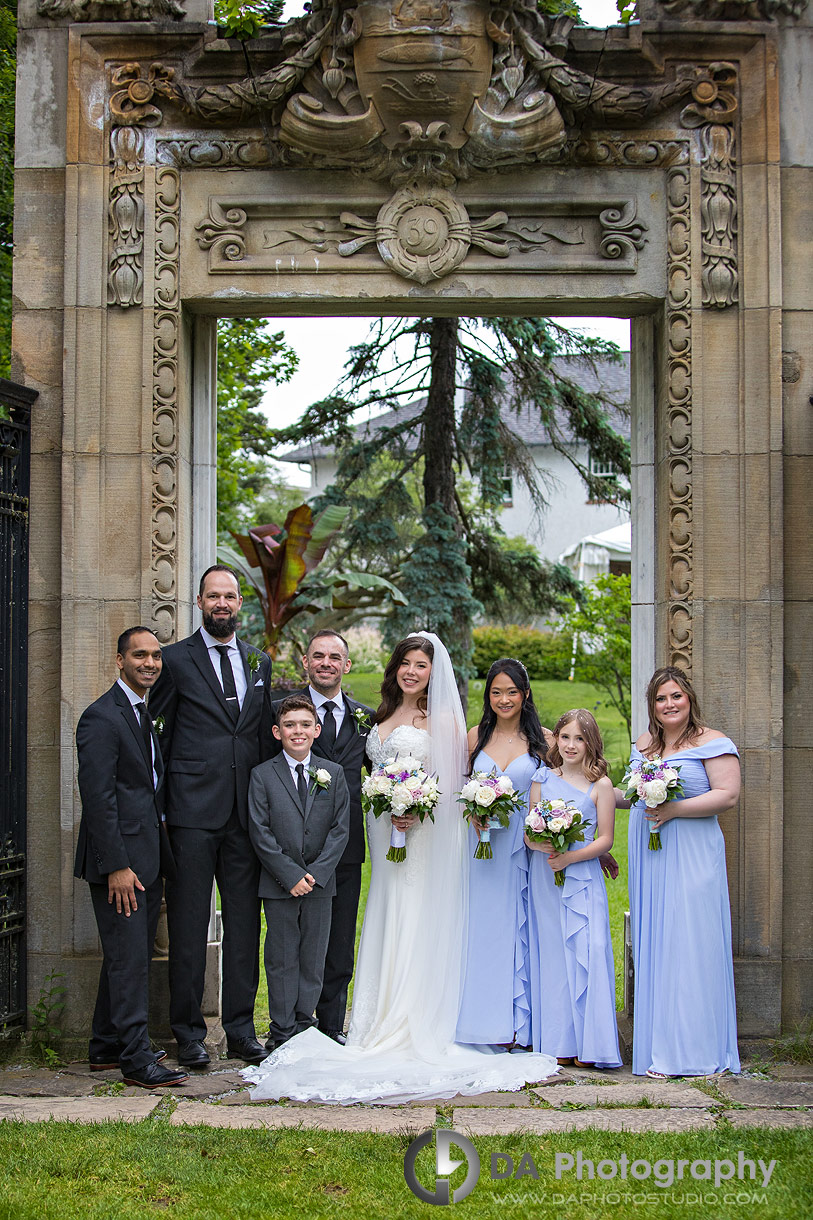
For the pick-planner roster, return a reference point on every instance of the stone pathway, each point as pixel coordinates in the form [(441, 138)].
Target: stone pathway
[(781, 1096)]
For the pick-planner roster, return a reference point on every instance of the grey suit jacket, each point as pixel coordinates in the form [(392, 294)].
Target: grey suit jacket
[(291, 840)]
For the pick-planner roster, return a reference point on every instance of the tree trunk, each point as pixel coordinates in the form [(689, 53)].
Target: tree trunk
[(439, 451), (438, 429)]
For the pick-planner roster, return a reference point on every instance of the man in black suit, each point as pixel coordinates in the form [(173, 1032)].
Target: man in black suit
[(345, 725), (119, 853), (214, 699)]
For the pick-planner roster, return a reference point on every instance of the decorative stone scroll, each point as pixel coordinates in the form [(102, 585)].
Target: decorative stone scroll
[(679, 416), (713, 110), (125, 275), (736, 10), (166, 323), (422, 233), (110, 10)]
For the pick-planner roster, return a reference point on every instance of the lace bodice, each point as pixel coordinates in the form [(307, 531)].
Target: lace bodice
[(404, 739)]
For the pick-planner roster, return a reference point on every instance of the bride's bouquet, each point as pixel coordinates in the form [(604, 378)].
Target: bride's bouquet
[(556, 822), (651, 781), (398, 787), (488, 801)]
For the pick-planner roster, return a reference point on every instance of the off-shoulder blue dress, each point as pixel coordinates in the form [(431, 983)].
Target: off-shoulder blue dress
[(494, 1007), (571, 954), (684, 1022)]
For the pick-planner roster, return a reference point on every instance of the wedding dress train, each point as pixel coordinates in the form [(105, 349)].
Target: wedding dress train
[(407, 987)]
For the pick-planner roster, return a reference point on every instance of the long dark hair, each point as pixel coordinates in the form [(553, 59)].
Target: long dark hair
[(391, 694), (529, 724), (671, 673), (594, 764)]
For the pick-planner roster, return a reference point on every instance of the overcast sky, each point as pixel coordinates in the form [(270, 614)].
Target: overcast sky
[(322, 343)]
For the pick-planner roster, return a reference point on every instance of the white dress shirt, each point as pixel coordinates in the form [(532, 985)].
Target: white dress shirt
[(293, 763), (319, 700), (236, 662), (134, 699)]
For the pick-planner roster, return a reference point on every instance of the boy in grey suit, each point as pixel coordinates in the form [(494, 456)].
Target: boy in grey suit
[(299, 817)]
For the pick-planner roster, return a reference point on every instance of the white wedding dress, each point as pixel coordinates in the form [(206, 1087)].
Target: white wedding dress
[(406, 994)]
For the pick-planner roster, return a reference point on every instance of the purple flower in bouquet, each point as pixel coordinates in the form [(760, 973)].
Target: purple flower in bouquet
[(398, 787), (557, 822), (654, 782), (488, 801)]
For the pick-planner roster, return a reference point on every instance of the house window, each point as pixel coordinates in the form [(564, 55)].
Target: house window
[(601, 469), (507, 487)]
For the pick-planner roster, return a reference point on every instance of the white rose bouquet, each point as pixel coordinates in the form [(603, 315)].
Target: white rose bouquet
[(488, 801), (556, 822), (398, 787), (650, 780)]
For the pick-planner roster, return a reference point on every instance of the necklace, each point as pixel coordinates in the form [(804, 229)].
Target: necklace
[(500, 733)]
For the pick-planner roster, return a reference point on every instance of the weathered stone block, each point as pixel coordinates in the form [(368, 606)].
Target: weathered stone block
[(798, 674), (42, 79), (797, 236), (39, 238), (797, 382)]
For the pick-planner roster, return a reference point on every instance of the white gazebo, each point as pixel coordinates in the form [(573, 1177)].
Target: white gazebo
[(592, 555)]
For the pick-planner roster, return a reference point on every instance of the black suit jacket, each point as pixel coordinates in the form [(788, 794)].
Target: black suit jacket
[(121, 811), (349, 752), (208, 757)]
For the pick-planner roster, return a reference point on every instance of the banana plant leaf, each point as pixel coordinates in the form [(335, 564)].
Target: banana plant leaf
[(276, 562)]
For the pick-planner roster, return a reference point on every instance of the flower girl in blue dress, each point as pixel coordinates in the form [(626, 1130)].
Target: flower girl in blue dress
[(572, 972)]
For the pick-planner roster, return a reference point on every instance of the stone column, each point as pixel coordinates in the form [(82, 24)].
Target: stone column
[(796, 185)]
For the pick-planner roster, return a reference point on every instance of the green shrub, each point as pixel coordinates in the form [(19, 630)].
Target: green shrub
[(545, 654)]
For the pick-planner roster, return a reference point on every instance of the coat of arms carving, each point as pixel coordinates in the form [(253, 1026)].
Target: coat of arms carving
[(422, 94)]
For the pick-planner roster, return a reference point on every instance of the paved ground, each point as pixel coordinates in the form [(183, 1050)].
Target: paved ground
[(779, 1095)]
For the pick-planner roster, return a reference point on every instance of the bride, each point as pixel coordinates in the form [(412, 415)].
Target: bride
[(400, 1045)]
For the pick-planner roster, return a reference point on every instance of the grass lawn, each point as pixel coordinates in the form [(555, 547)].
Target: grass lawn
[(53, 1171), (552, 698)]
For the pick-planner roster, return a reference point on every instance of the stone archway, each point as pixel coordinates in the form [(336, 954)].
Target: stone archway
[(518, 166)]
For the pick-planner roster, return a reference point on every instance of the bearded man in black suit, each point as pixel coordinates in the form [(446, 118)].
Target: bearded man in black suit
[(345, 725), (213, 698), (121, 853)]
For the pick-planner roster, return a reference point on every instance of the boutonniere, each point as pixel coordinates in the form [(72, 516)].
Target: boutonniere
[(320, 777), (254, 662), (362, 721), (158, 725)]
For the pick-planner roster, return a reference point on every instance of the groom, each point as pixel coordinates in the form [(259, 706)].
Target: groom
[(345, 725)]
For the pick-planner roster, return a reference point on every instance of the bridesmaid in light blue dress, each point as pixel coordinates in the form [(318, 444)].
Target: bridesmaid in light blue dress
[(685, 1019), (572, 971), (495, 1008)]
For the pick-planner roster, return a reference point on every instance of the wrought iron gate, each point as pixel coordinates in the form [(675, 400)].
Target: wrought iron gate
[(14, 486)]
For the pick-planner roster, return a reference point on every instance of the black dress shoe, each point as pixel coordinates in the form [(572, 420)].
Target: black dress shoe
[(153, 1076), (247, 1049), (105, 1063), (274, 1044), (193, 1055), (336, 1035)]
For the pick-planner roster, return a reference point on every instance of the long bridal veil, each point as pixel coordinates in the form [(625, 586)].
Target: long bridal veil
[(413, 1055)]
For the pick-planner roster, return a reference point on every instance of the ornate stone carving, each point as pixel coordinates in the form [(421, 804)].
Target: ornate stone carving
[(207, 152), (422, 233), (132, 101), (166, 320), (418, 88), (713, 110), (125, 274), (679, 416), (736, 10), (111, 10)]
